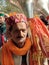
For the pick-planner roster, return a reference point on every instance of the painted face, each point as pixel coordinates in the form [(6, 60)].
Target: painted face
[(19, 33)]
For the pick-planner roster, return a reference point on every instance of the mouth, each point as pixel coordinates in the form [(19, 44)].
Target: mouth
[(19, 37)]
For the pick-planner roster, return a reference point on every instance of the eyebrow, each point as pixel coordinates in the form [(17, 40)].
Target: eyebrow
[(20, 29)]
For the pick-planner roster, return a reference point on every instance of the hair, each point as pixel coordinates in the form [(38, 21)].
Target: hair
[(44, 20)]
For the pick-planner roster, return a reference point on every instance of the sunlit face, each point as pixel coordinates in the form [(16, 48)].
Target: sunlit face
[(19, 33), (1, 19)]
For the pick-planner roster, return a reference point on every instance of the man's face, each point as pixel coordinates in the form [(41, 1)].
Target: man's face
[(1, 19), (19, 33)]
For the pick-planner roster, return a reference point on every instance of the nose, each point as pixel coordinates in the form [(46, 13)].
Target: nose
[(21, 33)]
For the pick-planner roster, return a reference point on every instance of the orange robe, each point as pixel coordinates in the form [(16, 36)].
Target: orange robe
[(10, 48)]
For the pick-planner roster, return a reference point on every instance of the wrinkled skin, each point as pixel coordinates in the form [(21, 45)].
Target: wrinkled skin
[(19, 33)]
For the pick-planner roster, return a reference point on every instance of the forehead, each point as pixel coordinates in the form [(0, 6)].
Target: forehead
[(20, 25)]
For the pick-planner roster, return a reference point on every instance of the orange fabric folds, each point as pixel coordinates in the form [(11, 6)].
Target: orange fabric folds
[(10, 48), (38, 28)]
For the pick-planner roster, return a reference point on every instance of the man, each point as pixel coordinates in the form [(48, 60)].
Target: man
[(16, 50), (2, 27)]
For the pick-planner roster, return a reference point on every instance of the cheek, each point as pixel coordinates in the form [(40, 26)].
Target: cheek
[(25, 33), (12, 35), (15, 35)]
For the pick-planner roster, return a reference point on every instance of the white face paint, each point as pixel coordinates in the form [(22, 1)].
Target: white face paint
[(19, 33)]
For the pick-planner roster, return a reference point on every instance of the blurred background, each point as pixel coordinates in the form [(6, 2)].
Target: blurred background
[(38, 6)]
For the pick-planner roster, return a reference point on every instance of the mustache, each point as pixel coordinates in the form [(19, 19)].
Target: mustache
[(19, 36)]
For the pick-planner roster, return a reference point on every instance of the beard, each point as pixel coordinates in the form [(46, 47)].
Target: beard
[(19, 42)]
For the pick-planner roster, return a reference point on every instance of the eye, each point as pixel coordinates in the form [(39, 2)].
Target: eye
[(23, 30)]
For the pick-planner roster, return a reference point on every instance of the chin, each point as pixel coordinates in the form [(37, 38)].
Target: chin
[(21, 46), (21, 41)]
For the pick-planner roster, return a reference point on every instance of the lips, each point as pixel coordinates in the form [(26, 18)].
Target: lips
[(19, 37)]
